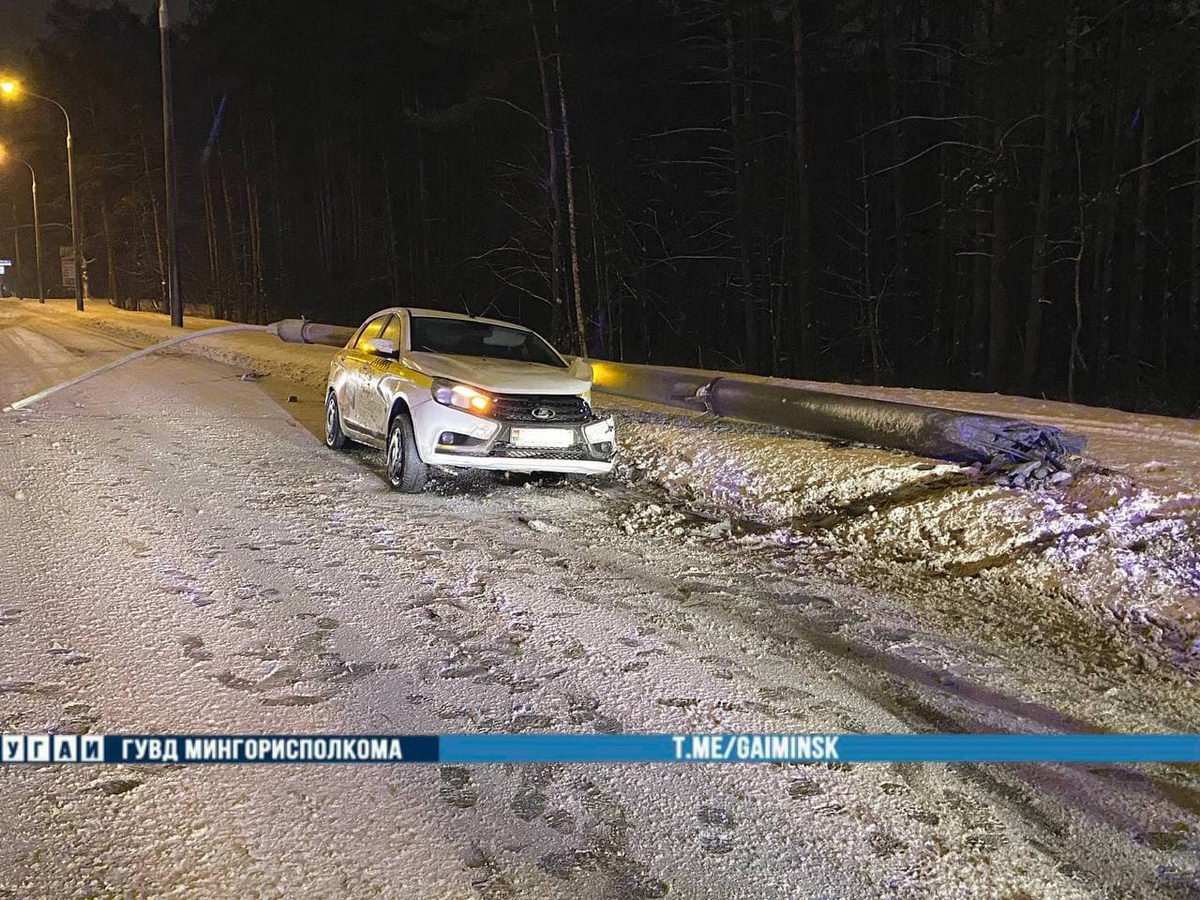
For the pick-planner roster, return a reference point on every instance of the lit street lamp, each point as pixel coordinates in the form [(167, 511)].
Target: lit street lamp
[(37, 225), (11, 89)]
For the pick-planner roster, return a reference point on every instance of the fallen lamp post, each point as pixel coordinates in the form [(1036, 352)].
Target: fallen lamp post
[(1024, 451)]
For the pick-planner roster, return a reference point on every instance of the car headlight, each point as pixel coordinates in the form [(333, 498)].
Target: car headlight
[(461, 396)]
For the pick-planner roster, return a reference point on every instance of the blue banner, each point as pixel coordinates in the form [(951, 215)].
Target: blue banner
[(598, 748), (861, 748)]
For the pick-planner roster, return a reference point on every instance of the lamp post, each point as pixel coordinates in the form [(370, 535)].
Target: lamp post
[(37, 225), (174, 298), (10, 88)]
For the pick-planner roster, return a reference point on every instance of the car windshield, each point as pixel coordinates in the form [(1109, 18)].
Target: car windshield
[(462, 337)]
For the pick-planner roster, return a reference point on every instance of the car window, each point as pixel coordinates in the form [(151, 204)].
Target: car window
[(392, 332), (371, 330), (463, 337)]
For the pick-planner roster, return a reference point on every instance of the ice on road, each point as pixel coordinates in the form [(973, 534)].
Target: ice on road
[(178, 553)]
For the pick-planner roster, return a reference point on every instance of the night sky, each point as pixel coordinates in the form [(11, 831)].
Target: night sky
[(22, 20)]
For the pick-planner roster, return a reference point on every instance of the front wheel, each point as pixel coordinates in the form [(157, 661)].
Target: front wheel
[(335, 438), (405, 470)]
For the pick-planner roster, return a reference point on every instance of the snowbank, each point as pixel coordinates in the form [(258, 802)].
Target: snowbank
[(1121, 542), (1119, 550)]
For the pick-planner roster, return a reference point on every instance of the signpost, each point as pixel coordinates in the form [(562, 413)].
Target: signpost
[(66, 256)]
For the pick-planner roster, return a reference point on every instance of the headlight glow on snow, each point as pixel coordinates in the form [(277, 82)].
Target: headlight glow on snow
[(461, 396)]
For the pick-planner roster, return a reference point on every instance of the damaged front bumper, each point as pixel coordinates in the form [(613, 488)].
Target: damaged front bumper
[(467, 441)]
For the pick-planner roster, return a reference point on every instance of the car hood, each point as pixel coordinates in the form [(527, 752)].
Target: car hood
[(502, 376)]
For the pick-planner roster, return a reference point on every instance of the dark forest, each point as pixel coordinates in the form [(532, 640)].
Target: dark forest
[(990, 196)]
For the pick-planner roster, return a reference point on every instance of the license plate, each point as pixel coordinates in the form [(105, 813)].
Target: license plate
[(542, 437)]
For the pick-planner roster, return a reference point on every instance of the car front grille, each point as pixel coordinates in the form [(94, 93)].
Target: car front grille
[(507, 452), (566, 408)]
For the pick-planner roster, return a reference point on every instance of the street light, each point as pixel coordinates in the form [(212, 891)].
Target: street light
[(37, 225), (174, 298), (10, 88)]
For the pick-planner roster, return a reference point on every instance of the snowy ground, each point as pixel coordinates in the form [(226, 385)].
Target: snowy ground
[(1123, 552), (1121, 543), (179, 553)]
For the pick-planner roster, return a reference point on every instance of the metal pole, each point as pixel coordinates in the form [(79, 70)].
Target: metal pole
[(153, 348), (174, 300), (17, 283), (80, 264), (75, 236), (925, 430), (37, 236)]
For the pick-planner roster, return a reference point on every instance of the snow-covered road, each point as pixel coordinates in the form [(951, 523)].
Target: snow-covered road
[(179, 553)]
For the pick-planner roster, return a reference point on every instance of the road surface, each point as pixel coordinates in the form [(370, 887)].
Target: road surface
[(179, 553)]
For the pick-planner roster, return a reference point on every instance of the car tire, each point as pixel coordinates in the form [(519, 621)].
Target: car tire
[(403, 467), (335, 438)]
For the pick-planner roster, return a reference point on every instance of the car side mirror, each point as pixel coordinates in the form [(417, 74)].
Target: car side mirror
[(382, 347), (580, 369)]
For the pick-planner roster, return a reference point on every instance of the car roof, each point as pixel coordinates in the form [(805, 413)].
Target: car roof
[(443, 314)]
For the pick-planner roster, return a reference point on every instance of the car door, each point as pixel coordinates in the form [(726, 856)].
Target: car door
[(343, 374), (372, 397), (357, 378)]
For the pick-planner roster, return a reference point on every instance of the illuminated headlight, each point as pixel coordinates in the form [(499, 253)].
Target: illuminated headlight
[(601, 432), (461, 396)]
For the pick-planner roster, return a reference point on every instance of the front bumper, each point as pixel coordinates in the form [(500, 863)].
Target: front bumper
[(488, 444)]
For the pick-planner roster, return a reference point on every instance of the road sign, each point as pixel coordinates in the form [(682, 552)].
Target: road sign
[(5, 262), (67, 256)]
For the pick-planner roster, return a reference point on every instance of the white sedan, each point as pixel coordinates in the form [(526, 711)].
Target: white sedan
[(442, 389)]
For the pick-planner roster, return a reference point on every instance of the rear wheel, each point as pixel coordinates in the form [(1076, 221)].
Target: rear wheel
[(405, 470), (335, 438)]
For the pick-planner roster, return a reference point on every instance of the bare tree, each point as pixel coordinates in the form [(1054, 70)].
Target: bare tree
[(1037, 277), (807, 343)]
